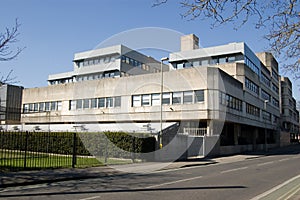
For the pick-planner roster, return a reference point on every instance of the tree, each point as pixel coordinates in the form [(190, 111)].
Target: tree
[(7, 52), (281, 19)]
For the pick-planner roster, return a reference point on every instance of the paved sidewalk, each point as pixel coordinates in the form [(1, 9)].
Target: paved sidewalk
[(23, 178)]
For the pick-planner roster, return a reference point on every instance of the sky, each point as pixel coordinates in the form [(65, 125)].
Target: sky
[(53, 30)]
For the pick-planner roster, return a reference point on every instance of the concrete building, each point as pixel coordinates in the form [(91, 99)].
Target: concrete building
[(289, 114), (225, 92), (10, 104)]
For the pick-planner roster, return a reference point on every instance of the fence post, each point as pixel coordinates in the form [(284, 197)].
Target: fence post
[(74, 150), (26, 147)]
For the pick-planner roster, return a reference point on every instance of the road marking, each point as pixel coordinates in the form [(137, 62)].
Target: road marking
[(173, 182), (90, 198), (285, 159), (295, 190), (233, 170), (266, 163), (275, 188)]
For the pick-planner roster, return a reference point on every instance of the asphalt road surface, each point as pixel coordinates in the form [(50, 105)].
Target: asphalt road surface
[(267, 177)]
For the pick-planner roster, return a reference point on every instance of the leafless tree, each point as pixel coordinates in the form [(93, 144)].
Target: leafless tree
[(281, 19), (7, 52)]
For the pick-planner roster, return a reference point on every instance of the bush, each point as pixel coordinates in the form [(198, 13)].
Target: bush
[(108, 144)]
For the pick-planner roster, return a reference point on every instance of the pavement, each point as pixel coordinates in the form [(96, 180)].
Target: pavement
[(23, 178)]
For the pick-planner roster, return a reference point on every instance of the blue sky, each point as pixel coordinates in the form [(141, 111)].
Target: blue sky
[(53, 30)]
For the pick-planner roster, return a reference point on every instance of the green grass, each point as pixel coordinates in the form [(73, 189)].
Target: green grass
[(15, 160)]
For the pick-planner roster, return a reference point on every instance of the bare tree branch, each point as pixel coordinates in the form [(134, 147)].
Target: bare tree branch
[(279, 17), (7, 38), (8, 78)]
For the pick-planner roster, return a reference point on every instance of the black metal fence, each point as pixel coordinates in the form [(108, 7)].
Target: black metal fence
[(40, 150)]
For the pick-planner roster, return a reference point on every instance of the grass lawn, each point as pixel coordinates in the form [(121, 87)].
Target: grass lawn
[(34, 160)]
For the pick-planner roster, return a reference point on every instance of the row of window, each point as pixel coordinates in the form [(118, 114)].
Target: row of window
[(42, 106), (105, 102), (109, 74), (265, 95), (252, 110), (205, 62), (251, 65), (275, 75), (251, 86), (275, 102), (134, 63), (185, 97), (96, 61), (265, 80), (275, 88), (231, 102)]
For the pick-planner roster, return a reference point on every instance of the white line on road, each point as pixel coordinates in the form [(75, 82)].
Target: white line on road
[(233, 170), (173, 182), (294, 191), (90, 198), (266, 163), (275, 188), (285, 159)]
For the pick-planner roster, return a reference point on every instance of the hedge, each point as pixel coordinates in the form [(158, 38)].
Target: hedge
[(109, 144)]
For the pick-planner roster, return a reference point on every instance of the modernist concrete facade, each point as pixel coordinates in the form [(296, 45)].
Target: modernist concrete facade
[(225, 91), (10, 104), (289, 114)]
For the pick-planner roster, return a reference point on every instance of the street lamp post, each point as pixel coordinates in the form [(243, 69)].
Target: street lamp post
[(161, 98)]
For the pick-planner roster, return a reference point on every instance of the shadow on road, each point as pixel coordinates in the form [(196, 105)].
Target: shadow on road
[(125, 191)]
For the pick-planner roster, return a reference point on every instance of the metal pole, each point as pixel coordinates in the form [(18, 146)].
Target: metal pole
[(161, 98)]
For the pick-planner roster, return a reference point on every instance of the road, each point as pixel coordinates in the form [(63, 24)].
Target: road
[(267, 177)]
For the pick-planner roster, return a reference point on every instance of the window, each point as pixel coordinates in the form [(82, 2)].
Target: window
[(118, 101), (155, 99), (26, 108), (101, 102), (31, 107), (166, 98), (196, 63), (41, 106), (59, 105), (251, 86), (275, 102), (222, 60), (86, 103), (109, 102), (93, 103), (47, 106), (188, 97), (146, 100), (265, 95), (176, 98), (79, 104), (72, 104), (35, 107), (265, 80), (136, 100), (252, 110), (53, 105), (204, 62), (199, 95), (231, 59), (231, 102), (180, 66)]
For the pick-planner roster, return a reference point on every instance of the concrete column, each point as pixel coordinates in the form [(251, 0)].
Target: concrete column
[(210, 127), (237, 133), (254, 136)]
